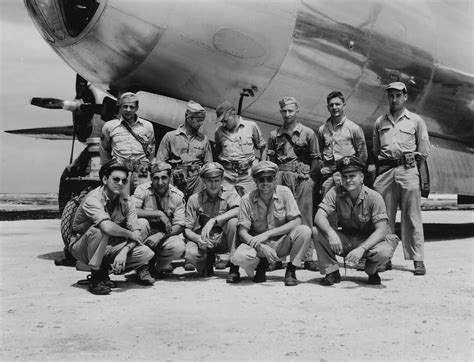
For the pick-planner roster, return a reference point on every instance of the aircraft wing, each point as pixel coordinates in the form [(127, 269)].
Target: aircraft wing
[(47, 133)]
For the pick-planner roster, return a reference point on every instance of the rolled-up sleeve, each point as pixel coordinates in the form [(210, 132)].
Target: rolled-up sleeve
[(179, 217), (375, 137), (105, 144), (313, 143), (360, 145), (233, 199), (422, 138), (163, 149), (95, 210), (329, 202), (379, 211), (245, 212), (139, 196), (291, 207), (191, 212), (257, 137), (132, 218)]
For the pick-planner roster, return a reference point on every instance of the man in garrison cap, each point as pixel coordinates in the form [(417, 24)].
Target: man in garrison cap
[(163, 206), (129, 139), (270, 227), (401, 144), (364, 225), (107, 233), (295, 149), (186, 150), (211, 219)]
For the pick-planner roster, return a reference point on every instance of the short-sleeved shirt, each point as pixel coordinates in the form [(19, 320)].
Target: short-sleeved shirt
[(201, 203), (281, 151), (239, 145), (97, 207), (171, 203), (345, 139), (255, 216), (393, 137), (359, 217), (117, 142), (178, 146)]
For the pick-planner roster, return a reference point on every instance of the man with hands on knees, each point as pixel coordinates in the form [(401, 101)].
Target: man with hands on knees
[(107, 233), (363, 218), (163, 206), (269, 227), (211, 219)]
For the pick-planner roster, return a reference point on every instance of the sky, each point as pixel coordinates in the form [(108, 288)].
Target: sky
[(29, 68)]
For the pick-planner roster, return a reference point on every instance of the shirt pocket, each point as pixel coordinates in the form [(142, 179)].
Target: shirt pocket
[(246, 145), (407, 137), (279, 213), (385, 135), (196, 150)]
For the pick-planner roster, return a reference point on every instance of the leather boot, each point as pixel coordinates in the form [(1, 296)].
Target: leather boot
[(331, 278), (234, 275), (96, 284), (290, 275), (260, 272), (209, 267)]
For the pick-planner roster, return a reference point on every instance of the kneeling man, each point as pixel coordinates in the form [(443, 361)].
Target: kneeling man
[(163, 206), (270, 227), (211, 220), (107, 232), (363, 218)]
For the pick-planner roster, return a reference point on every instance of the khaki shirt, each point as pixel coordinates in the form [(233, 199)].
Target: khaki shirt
[(239, 145), (281, 151), (345, 139), (97, 207), (359, 217), (393, 137), (200, 203), (172, 203), (257, 218), (177, 146), (117, 142)]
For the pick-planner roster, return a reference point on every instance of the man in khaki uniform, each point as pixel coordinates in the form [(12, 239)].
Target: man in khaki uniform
[(364, 226), (269, 227), (163, 206), (211, 219), (295, 149), (401, 141), (186, 150)]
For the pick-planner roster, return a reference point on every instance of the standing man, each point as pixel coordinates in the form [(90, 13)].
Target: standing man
[(129, 140), (294, 148), (364, 225), (163, 206), (400, 142), (186, 150), (211, 219), (269, 227), (338, 137), (107, 233), (235, 142)]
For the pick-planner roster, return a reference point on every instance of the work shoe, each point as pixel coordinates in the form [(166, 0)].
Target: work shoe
[(275, 266), (331, 278), (374, 279), (260, 272), (234, 275), (167, 269), (311, 265), (96, 284), (144, 276), (209, 268), (361, 264), (222, 264), (109, 282), (188, 266), (104, 270), (290, 275), (385, 267), (419, 267)]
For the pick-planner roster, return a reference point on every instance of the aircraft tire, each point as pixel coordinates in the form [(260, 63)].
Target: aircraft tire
[(67, 217)]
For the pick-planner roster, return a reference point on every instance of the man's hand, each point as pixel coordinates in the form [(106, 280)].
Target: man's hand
[(166, 221), (204, 245), (335, 243), (206, 230), (355, 255), (153, 240), (136, 236), (269, 253), (118, 266), (258, 239)]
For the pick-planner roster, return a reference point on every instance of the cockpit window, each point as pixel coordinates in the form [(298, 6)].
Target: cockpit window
[(77, 14)]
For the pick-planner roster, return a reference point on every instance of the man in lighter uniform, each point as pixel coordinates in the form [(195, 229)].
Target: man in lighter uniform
[(163, 206), (119, 142), (401, 141), (186, 150)]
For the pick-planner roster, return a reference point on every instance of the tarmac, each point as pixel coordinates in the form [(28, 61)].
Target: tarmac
[(47, 315)]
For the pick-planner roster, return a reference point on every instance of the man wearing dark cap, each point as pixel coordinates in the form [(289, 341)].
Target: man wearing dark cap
[(235, 142), (364, 226), (163, 206), (107, 233), (269, 227), (401, 143), (186, 150), (211, 221), (295, 149), (129, 140), (338, 137)]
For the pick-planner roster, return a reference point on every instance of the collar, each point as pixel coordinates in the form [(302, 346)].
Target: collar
[(256, 195), (342, 193), (137, 120), (298, 129), (121, 198), (182, 130), (340, 124), (205, 196), (405, 114)]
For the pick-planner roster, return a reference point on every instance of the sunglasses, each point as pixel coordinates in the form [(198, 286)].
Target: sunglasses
[(124, 181), (267, 179)]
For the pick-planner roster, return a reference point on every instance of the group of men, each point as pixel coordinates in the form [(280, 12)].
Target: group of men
[(255, 205)]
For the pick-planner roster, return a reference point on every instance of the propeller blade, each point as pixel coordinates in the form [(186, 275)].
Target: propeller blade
[(50, 103)]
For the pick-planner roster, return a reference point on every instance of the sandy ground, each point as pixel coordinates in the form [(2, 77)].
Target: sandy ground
[(46, 315)]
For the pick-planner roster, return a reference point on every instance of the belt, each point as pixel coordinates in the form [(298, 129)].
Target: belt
[(297, 167), (391, 162), (237, 166)]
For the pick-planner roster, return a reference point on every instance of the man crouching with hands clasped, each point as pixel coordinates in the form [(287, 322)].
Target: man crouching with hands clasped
[(363, 218), (269, 225)]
